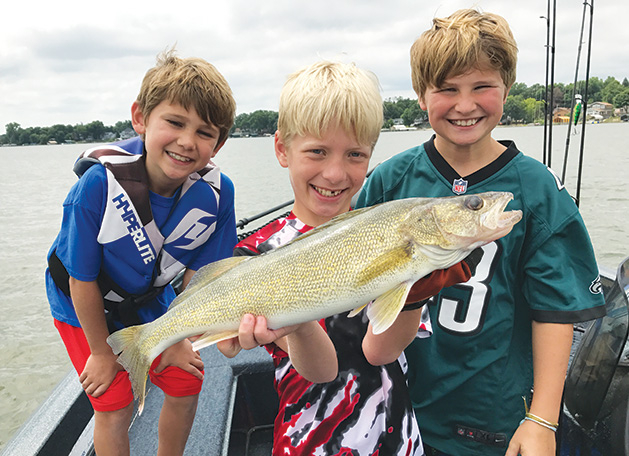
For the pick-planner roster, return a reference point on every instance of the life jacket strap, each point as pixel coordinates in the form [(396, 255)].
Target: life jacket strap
[(120, 306)]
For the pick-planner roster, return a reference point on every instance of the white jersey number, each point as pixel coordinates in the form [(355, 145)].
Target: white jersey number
[(466, 316)]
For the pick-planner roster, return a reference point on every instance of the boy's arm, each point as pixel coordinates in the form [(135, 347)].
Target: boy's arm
[(187, 276), (101, 366), (312, 352), (307, 344), (386, 347), (551, 351)]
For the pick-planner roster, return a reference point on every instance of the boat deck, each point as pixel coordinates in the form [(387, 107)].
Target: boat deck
[(235, 414)]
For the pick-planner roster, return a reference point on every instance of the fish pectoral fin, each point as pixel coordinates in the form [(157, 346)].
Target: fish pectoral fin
[(384, 310), (206, 274), (391, 259), (356, 311), (208, 339)]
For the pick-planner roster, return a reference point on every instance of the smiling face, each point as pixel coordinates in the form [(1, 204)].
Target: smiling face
[(465, 109), (178, 142), (324, 173)]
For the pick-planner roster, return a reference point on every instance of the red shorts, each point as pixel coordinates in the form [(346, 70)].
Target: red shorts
[(173, 381)]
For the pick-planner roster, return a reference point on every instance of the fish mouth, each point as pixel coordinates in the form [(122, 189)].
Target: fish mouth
[(499, 221)]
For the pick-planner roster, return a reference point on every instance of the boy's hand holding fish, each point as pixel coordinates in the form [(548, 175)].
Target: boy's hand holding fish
[(254, 331)]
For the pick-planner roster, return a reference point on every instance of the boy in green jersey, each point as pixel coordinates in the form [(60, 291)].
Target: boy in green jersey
[(508, 330)]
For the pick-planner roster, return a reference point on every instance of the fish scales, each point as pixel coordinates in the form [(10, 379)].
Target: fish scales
[(340, 266)]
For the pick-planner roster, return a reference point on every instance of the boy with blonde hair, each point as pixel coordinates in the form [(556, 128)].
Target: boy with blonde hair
[(332, 399), (508, 330), (142, 211)]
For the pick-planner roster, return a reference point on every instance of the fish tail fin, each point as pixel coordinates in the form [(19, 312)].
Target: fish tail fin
[(133, 359)]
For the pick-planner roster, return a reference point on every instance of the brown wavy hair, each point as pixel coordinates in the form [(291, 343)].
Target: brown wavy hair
[(192, 83), (465, 40)]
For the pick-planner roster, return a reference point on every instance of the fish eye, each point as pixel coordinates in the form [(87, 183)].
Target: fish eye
[(473, 202)]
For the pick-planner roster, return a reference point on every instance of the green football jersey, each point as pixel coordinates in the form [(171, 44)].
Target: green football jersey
[(468, 380)]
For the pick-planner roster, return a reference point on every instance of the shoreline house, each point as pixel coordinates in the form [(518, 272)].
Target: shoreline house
[(561, 116), (600, 108)]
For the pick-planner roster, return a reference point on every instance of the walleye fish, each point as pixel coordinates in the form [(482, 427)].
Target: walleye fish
[(371, 254)]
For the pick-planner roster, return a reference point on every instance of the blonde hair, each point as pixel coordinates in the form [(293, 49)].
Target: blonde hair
[(329, 94), (192, 83), (465, 40)]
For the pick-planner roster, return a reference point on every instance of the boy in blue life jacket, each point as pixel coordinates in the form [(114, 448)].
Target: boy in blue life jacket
[(508, 330), (333, 394), (142, 211)]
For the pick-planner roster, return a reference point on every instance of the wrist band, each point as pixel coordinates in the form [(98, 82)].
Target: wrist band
[(541, 422), (414, 305), (536, 419)]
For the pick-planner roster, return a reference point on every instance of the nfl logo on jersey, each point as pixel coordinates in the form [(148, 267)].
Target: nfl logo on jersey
[(459, 186)]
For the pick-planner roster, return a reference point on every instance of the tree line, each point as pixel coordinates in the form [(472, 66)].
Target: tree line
[(92, 132), (523, 105)]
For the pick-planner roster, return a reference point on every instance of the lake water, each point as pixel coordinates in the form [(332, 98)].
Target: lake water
[(34, 181)]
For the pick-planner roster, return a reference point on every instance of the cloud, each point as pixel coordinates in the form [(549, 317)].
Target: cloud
[(74, 62)]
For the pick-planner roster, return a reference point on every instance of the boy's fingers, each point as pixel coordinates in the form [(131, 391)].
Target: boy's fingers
[(246, 334), (99, 391), (230, 347), (198, 364), (194, 367), (195, 371), (263, 335)]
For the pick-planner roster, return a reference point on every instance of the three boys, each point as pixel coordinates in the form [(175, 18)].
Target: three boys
[(462, 70)]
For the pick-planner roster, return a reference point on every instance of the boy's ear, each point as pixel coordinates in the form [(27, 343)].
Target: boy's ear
[(137, 119), (422, 104), (218, 147), (280, 150)]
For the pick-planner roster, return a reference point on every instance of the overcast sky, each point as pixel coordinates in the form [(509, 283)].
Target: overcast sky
[(71, 62)]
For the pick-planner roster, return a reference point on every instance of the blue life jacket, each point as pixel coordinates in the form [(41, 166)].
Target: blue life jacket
[(139, 258)]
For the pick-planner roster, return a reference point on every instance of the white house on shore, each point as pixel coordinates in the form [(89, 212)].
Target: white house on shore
[(600, 108)]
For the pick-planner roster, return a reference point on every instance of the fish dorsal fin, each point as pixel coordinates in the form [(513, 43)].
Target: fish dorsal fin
[(391, 259), (206, 274), (211, 338), (335, 221), (385, 309)]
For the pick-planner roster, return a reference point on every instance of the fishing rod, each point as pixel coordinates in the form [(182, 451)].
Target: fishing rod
[(550, 91), (547, 18), (585, 102), (573, 103), (244, 221)]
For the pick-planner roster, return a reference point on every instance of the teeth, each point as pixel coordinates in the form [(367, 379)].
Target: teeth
[(328, 193), (178, 157), (464, 123)]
